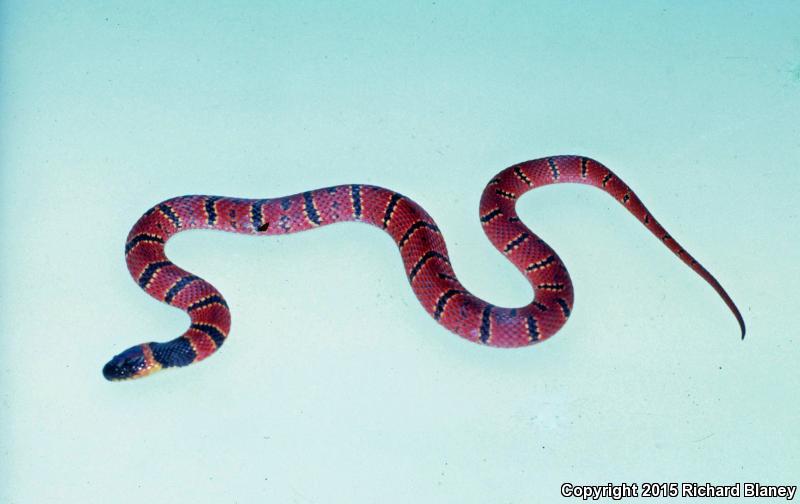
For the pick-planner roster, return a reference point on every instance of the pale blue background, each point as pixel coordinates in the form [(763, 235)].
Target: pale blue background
[(335, 386)]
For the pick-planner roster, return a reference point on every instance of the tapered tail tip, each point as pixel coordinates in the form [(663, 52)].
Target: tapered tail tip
[(734, 309), (741, 324)]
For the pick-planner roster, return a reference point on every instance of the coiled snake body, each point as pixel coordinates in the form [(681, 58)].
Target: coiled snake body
[(418, 238)]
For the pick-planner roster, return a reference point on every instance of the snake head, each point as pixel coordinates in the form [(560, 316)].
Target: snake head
[(134, 362)]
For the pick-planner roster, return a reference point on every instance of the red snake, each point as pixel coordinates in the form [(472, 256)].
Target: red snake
[(418, 238)]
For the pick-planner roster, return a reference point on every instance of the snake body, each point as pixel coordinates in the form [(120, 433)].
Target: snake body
[(419, 240)]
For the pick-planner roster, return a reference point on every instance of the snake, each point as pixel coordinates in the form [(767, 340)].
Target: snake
[(418, 238)]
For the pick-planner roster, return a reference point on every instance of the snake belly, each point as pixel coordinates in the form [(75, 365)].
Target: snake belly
[(418, 238)]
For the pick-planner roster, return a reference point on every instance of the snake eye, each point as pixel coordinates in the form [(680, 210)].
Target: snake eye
[(126, 365)]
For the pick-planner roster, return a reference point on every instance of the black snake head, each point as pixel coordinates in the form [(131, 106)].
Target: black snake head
[(134, 362)]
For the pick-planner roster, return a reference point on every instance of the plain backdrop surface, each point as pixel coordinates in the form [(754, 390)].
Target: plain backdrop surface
[(335, 386)]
